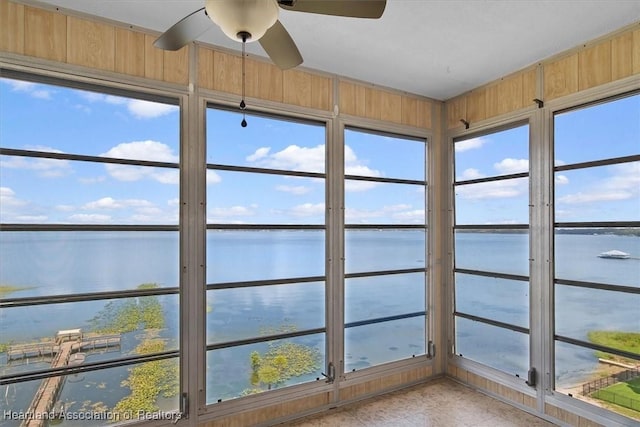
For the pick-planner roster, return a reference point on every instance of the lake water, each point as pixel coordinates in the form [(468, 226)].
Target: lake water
[(55, 263)]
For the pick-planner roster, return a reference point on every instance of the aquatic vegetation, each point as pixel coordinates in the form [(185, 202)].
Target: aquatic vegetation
[(4, 346), (149, 380), (281, 362), (8, 289), (626, 341), (129, 314)]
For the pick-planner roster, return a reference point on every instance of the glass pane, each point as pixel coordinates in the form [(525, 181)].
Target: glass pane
[(252, 198), (368, 298), (602, 379), (606, 193), (368, 154), (379, 250), (266, 142), (590, 255), (89, 123), (381, 203), (70, 192), (101, 330), (378, 343), (581, 313), (97, 398), (234, 314), (495, 154), (499, 348), (497, 202), (501, 252), (503, 300), (234, 256), (239, 371), (68, 262), (596, 132)]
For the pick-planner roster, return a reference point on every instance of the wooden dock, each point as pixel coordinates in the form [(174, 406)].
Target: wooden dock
[(61, 351), (45, 397)]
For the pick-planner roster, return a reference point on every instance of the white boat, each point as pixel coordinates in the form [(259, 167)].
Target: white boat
[(615, 255)]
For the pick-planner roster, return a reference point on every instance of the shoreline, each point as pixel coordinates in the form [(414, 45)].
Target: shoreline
[(605, 368)]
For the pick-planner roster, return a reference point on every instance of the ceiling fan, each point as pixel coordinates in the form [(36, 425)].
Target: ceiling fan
[(251, 20)]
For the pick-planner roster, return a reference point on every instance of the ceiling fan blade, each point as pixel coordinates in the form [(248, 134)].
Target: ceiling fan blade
[(184, 31), (280, 47), (351, 8)]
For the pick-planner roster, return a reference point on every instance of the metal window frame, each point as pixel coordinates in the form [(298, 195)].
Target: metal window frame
[(261, 109), (365, 127), (530, 120), (596, 96), (129, 91)]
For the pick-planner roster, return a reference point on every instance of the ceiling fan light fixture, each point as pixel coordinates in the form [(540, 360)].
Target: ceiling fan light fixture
[(235, 17)]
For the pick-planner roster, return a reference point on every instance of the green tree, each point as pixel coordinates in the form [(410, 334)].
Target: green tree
[(269, 375)]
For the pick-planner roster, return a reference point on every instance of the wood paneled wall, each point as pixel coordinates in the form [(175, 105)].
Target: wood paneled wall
[(384, 383), (270, 413), (496, 389), (593, 65), (54, 36), (518, 397), (379, 104), (222, 71), (588, 66)]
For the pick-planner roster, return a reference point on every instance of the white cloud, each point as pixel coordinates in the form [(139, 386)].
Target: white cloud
[(415, 216), (296, 190), (561, 180), (90, 218), (32, 89), (354, 166), (111, 203), (8, 198), (260, 153), (624, 184), (470, 173), (493, 189), (293, 157), (509, 166), (44, 168), (594, 196), (213, 177), (143, 150), (15, 209), (92, 180), (308, 209), (398, 214), (31, 218), (352, 186), (100, 97), (149, 110), (138, 108), (231, 212), (470, 144), (312, 159)]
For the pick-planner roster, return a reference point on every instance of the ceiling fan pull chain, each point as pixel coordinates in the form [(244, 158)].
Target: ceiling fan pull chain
[(242, 104)]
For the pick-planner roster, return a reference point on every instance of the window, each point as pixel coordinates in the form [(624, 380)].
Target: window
[(597, 253), (385, 248), (89, 247), (265, 268), (491, 241)]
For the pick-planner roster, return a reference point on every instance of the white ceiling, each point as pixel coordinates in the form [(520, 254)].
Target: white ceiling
[(435, 48)]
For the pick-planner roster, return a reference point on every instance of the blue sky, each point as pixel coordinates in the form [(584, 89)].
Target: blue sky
[(57, 119), (607, 193)]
